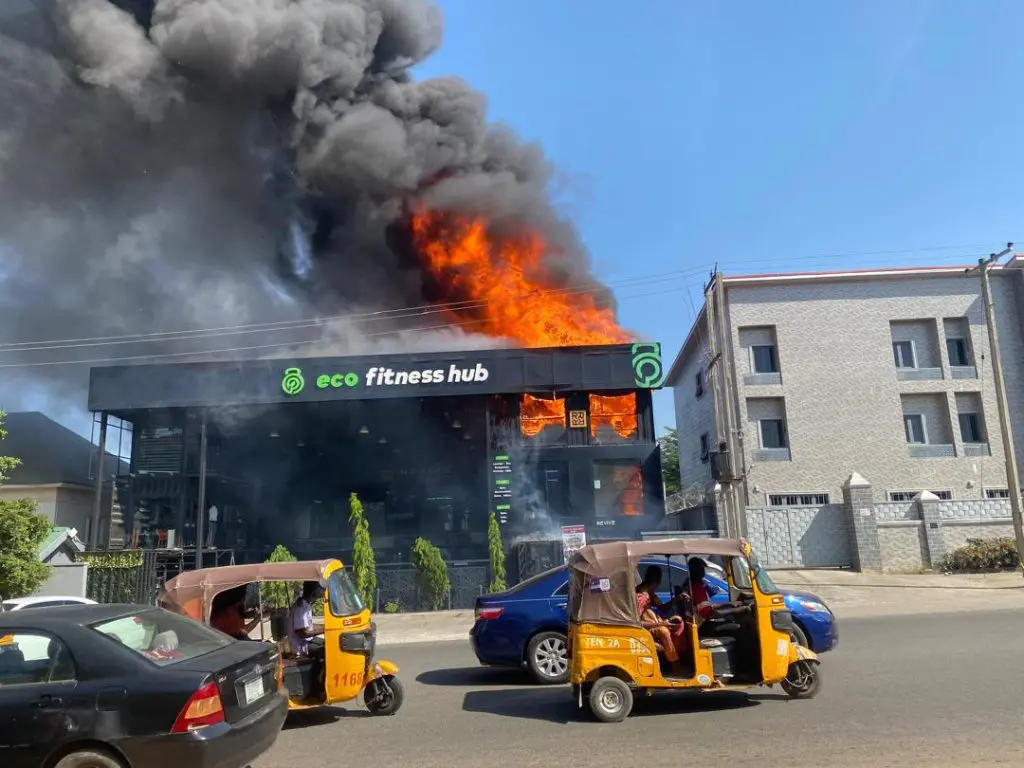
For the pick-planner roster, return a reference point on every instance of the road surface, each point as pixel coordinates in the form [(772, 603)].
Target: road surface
[(941, 689)]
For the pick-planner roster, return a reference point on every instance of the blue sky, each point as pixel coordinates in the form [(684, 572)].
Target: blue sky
[(765, 137)]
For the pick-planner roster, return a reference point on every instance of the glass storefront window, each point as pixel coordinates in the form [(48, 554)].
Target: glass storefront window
[(613, 418), (618, 489), (542, 418)]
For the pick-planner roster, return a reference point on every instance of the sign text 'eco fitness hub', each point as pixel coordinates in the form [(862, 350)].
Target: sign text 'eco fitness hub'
[(293, 382)]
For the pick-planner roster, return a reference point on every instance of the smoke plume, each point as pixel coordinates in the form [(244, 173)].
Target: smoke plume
[(197, 164)]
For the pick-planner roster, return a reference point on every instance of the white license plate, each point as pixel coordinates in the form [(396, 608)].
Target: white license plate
[(254, 690)]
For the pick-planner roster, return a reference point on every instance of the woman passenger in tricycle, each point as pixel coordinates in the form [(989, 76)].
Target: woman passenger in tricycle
[(669, 633)]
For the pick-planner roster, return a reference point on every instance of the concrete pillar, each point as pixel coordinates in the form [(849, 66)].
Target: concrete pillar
[(862, 526), (931, 518), (721, 512)]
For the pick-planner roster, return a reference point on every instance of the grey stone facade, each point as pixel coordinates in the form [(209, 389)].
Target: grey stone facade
[(869, 536), (843, 400)]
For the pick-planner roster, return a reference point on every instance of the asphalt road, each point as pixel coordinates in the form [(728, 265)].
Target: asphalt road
[(940, 689)]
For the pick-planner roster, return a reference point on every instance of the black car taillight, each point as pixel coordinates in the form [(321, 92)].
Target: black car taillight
[(203, 708)]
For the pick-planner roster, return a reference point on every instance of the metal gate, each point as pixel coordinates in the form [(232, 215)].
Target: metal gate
[(800, 537)]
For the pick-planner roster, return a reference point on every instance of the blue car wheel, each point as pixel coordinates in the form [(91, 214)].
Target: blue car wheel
[(547, 658), (799, 637)]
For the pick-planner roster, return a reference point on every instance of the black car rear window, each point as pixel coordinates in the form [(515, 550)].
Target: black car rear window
[(161, 637)]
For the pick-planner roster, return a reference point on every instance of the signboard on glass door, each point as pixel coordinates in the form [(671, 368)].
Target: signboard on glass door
[(574, 538)]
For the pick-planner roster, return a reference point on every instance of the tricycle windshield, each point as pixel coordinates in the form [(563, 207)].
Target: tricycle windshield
[(764, 581), (342, 596)]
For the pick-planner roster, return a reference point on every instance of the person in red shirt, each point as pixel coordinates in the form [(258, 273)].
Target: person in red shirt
[(702, 608), (228, 614)]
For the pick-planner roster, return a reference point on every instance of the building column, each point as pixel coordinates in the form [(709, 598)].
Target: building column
[(862, 526), (931, 518), (93, 538)]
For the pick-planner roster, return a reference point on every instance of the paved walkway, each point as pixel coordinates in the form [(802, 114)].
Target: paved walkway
[(848, 594)]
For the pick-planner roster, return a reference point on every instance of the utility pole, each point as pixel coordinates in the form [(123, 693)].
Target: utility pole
[(721, 428), (1006, 429), (732, 427)]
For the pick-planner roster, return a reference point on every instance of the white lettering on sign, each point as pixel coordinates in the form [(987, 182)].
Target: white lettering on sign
[(389, 377)]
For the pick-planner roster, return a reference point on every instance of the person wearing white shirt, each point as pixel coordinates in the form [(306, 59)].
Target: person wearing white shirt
[(300, 618)]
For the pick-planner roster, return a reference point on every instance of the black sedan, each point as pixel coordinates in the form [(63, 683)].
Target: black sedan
[(131, 686)]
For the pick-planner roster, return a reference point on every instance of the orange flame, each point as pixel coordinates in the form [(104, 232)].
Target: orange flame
[(615, 411), (633, 494), (536, 413), (500, 286)]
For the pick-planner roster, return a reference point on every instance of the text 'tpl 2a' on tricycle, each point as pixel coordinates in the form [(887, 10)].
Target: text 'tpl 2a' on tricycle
[(334, 670), (623, 640)]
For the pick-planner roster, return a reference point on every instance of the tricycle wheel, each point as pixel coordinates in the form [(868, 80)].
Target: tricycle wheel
[(803, 680), (610, 700), (384, 696)]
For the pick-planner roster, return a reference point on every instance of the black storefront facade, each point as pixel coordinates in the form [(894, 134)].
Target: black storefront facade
[(431, 443)]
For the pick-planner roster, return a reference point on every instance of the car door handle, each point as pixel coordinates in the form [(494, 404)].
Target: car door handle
[(563, 606), (46, 700)]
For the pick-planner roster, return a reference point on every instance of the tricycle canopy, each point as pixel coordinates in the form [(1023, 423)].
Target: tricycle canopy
[(191, 593), (603, 576)]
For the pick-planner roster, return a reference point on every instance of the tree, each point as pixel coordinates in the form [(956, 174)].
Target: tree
[(497, 554), (280, 594), (22, 531), (364, 563), (431, 573), (669, 443)]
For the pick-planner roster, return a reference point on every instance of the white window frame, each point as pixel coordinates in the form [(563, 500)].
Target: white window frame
[(768, 498), (784, 433), (753, 358), (944, 494), (981, 427), (913, 354), (924, 428), (967, 350)]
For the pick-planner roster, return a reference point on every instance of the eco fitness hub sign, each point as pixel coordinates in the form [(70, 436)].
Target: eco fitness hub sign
[(293, 381)]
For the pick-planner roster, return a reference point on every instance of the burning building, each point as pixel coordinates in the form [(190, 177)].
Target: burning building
[(431, 443)]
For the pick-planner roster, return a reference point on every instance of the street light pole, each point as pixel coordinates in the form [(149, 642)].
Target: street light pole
[(1006, 429)]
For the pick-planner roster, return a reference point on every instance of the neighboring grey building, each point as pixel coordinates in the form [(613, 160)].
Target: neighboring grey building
[(57, 470), (885, 373)]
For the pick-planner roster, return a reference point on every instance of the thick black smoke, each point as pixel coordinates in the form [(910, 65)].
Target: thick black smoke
[(211, 163)]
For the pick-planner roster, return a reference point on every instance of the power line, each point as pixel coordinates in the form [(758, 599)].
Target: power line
[(289, 325), (415, 311), (283, 344)]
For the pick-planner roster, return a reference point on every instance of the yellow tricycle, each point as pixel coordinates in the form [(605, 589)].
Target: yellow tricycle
[(623, 641), (333, 671)]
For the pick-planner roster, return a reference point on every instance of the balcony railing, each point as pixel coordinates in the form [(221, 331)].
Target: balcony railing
[(918, 374), (762, 379), (977, 449), (963, 371), (772, 454), (931, 451)]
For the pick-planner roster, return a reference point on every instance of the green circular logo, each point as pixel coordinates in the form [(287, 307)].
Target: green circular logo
[(351, 379), (647, 370), (292, 382)]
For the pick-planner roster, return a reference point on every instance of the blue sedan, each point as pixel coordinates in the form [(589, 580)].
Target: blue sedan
[(527, 625)]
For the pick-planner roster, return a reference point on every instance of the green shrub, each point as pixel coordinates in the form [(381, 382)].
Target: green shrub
[(431, 573), (497, 555), (392, 606), (280, 594), (364, 563), (983, 555)]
